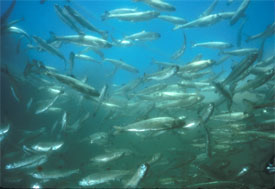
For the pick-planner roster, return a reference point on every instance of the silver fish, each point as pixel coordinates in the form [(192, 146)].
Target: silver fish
[(239, 12), (158, 4), (143, 36), (122, 65), (132, 16)]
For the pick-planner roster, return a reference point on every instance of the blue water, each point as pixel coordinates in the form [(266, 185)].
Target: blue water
[(40, 19)]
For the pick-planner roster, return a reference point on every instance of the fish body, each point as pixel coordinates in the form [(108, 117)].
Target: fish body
[(173, 19), (234, 116), (110, 156), (13, 29), (153, 124), (239, 12), (122, 65), (201, 22), (270, 30), (66, 18), (240, 68), (138, 176), (132, 16), (47, 146), (49, 48), (163, 74), (102, 177), (197, 65), (74, 83), (143, 36), (27, 162), (159, 4), (84, 40), (215, 45), (209, 9), (85, 23), (180, 52), (87, 58), (122, 10), (242, 52), (55, 174)]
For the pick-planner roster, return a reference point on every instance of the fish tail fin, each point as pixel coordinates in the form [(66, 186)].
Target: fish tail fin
[(153, 61), (104, 34), (117, 128), (105, 15), (249, 105), (52, 36)]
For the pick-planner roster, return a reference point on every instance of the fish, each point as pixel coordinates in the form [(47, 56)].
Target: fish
[(153, 124), (72, 57), (270, 30), (85, 23), (77, 124), (270, 166), (47, 146), (98, 138), (240, 32), (53, 174), (259, 81), (143, 36), (129, 86), (209, 9), (173, 19), (45, 108), (270, 136), (27, 162), (6, 14), (231, 116), (228, 2), (110, 156), (64, 121), (132, 16), (242, 52), (204, 118), (87, 58), (180, 52), (163, 74), (158, 4), (78, 85), (201, 22), (14, 94), (4, 129), (83, 40), (13, 29), (163, 64), (197, 65), (239, 12), (138, 176), (103, 94), (224, 92), (47, 47), (244, 171), (218, 184), (66, 18), (190, 84), (215, 45), (29, 104), (240, 68), (102, 177), (122, 65), (122, 10), (6, 26)]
